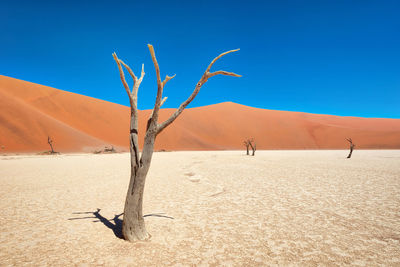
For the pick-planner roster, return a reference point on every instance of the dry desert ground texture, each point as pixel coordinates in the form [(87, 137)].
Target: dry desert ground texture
[(302, 208)]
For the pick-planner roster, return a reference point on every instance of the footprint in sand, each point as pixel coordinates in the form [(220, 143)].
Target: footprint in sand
[(219, 191), (193, 177), (196, 178)]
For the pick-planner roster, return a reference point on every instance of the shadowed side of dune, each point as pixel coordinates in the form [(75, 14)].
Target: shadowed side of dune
[(25, 129)]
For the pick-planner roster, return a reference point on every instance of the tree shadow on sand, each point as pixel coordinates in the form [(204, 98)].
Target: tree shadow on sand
[(116, 227)]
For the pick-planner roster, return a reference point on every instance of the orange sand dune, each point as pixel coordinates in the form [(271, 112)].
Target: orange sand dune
[(30, 112)]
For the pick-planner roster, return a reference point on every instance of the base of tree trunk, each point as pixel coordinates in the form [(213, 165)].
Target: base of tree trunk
[(133, 226), (349, 156), (135, 230)]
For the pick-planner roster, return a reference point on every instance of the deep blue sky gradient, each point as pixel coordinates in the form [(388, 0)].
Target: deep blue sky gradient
[(328, 57)]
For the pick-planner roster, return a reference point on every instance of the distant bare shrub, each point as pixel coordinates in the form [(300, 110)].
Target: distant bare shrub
[(106, 150)]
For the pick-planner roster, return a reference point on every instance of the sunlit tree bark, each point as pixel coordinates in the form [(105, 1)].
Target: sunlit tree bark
[(133, 226)]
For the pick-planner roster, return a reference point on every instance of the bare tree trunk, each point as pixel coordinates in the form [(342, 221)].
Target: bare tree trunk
[(133, 226), (51, 144), (253, 147), (351, 151), (351, 147), (246, 143)]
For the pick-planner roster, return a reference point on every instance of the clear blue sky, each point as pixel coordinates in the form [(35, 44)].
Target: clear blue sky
[(329, 57)]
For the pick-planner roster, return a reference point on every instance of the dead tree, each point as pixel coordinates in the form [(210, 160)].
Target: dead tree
[(351, 147), (250, 143), (110, 149), (253, 147), (133, 226), (51, 144), (247, 144)]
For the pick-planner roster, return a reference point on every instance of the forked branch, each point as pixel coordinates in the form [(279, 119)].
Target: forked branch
[(218, 57), (129, 70), (167, 79), (160, 84), (136, 82), (152, 112), (196, 90)]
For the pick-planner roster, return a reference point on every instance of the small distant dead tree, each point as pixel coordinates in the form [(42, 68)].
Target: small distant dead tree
[(133, 226), (110, 149), (106, 150), (351, 147), (250, 143), (253, 147), (247, 144), (51, 145)]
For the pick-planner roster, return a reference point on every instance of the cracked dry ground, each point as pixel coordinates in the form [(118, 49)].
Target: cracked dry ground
[(303, 208)]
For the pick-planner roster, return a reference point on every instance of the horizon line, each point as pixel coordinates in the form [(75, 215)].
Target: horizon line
[(213, 104)]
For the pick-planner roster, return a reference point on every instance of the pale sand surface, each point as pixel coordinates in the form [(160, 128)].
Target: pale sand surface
[(277, 208)]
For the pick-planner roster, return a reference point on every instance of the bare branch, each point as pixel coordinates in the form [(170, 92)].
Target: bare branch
[(159, 83), (251, 144), (167, 79), (218, 57), (163, 101), (141, 74), (196, 90), (129, 70), (138, 82), (122, 76), (222, 72), (160, 87)]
